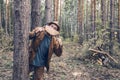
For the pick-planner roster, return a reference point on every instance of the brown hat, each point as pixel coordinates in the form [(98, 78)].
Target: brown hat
[(56, 23)]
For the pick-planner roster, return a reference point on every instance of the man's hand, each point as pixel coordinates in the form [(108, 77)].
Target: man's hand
[(39, 29), (58, 47), (59, 40)]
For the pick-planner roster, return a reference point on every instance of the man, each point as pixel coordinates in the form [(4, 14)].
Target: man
[(45, 42)]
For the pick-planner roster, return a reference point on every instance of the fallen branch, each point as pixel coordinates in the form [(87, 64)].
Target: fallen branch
[(97, 51)]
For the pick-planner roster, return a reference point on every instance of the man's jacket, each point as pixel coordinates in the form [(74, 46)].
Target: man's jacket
[(55, 46)]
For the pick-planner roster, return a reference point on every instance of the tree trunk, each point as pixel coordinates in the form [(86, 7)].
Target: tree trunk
[(103, 14), (119, 21), (35, 13), (80, 16), (80, 20), (10, 18), (93, 17), (48, 11), (6, 17), (21, 31), (2, 14), (0, 18), (87, 18), (56, 5), (108, 9), (60, 20), (111, 26)]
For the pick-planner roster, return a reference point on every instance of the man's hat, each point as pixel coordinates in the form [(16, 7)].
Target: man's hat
[(56, 23)]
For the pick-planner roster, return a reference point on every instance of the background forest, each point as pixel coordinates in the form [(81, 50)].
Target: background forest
[(85, 24)]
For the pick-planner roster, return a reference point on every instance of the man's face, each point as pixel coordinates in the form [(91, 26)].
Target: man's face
[(53, 26)]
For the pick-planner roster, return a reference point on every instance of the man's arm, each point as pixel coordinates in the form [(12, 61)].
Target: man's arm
[(32, 34), (58, 47)]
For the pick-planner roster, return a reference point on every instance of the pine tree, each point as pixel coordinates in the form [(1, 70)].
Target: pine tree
[(21, 30)]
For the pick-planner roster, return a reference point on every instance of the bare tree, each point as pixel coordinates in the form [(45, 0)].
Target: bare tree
[(21, 31)]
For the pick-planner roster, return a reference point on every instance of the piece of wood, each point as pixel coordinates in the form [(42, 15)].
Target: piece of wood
[(51, 31), (97, 51)]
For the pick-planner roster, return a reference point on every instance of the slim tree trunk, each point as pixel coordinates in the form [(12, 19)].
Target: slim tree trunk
[(12, 12), (93, 16), (80, 17), (6, 17), (87, 18), (10, 18), (35, 13), (111, 26), (80, 20), (21, 31), (48, 10), (108, 9), (2, 14), (103, 14), (56, 5), (60, 21), (119, 21), (0, 17)]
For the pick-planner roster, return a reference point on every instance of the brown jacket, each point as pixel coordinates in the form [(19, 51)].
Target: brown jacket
[(55, 46)]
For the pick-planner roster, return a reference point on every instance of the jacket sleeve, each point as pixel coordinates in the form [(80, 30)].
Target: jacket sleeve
[(32, 34), (58, 47)]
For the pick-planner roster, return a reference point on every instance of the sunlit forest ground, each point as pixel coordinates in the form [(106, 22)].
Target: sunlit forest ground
[(72, 65)]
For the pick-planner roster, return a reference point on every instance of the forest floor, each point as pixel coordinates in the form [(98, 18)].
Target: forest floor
[(70, 66)]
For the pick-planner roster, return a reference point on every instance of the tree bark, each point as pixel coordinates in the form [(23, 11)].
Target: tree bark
[(21, 31), (93, 16), (80, 20), (111, 26), (103, 13), (6, 17), (35, 13), (2, 14), (56, 5), (87, 18), (48, 11), (119, 21), (79, 14), (0, 17)]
